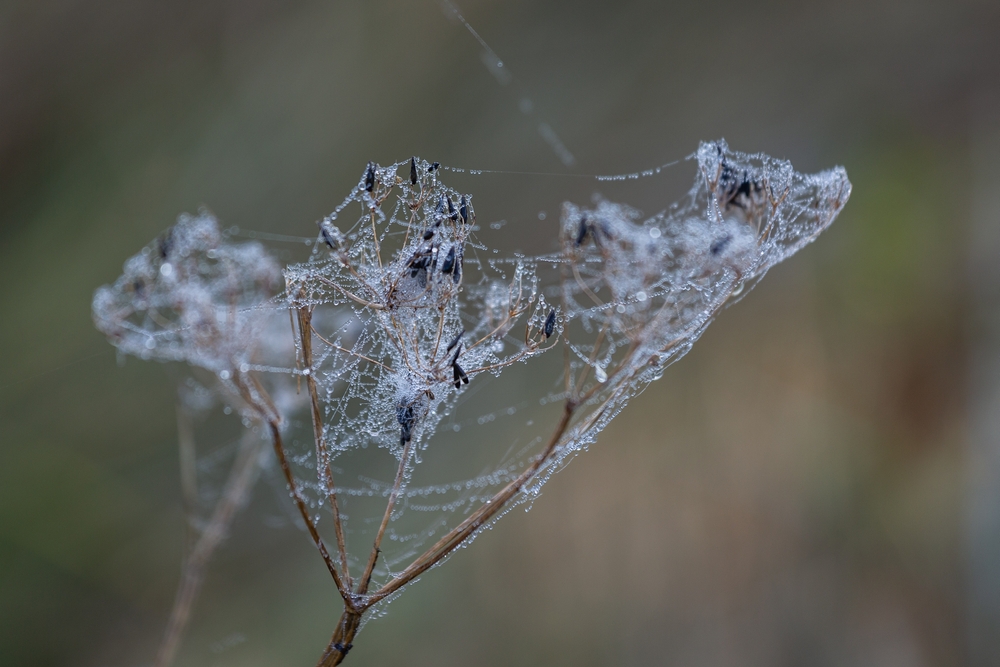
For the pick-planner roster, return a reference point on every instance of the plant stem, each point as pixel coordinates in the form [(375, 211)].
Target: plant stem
[(366, 577), (462, 531), (322, 454), (238, 484), (341, 641)]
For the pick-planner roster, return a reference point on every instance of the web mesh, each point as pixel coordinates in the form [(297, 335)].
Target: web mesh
[(402, 321)]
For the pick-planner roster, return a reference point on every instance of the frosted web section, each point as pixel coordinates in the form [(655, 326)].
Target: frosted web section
[(407, 310), (638, 293), (409, 306), (425, 348)]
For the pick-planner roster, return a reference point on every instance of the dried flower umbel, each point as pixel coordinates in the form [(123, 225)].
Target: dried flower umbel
[(401, 309)]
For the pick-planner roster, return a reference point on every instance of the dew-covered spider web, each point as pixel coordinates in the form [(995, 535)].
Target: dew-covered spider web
[(413, 367)]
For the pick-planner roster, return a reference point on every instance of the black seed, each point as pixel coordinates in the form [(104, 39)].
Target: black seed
[(407, 419), (459, 376), (413, 171), (327, 237), (550, 323), (449, 261), (166, 243), (370, 177), (454, 341), (744, 188), (451, 211), (463, 210), (428, 234), (433, 167), (457, 275), (581, 233), (719, 245)]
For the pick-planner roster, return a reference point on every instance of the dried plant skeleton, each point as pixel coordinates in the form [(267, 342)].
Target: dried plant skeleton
[(401, 311)]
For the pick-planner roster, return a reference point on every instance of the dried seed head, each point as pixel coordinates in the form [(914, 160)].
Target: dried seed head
[(550, 324)]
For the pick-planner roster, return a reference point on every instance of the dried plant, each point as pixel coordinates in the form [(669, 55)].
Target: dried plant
[(395, 315)]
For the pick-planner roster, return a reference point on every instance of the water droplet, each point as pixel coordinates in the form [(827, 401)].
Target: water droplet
[(654, 232), (167, 269), (244, 368), (620, 308), (600, 374), (224, 375), (738, 290), (640, 296)]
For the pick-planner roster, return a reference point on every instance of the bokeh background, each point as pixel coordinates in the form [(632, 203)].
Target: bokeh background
[(816, 483)]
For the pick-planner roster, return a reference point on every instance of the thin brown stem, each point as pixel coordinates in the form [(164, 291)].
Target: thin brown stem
[(322, 454), (189, 471), (397, 485), (279, 450), (234, 494), (477, 519)]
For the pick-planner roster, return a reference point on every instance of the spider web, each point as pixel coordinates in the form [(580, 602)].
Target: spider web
[(408, 303), (423, 347)]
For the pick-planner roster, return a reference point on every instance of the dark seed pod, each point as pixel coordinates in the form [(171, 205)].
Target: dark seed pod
[(370, 177), (434, 167), (458, 376), (166, 243), (550, 323), (454, 341), (452, 214), (428, 234), (331, 235), (407, 419), (581, 233), (463, 210), (413, 171), (719, 245), (448, 265)]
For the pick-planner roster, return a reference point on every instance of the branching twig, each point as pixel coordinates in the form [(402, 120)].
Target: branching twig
[(241, 477)]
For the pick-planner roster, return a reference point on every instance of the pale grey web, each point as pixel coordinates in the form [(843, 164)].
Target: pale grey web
[(410, 365)]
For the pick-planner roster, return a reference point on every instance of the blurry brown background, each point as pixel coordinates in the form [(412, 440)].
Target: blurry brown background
[(817, 483)]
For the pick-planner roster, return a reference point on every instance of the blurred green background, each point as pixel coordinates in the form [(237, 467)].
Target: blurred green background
[(816, 483)]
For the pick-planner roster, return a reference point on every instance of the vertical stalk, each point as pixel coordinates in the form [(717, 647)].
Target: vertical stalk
[(322, 454), (238, 484)]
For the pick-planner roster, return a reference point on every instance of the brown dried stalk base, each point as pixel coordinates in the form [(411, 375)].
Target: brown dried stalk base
[(340, 643)]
